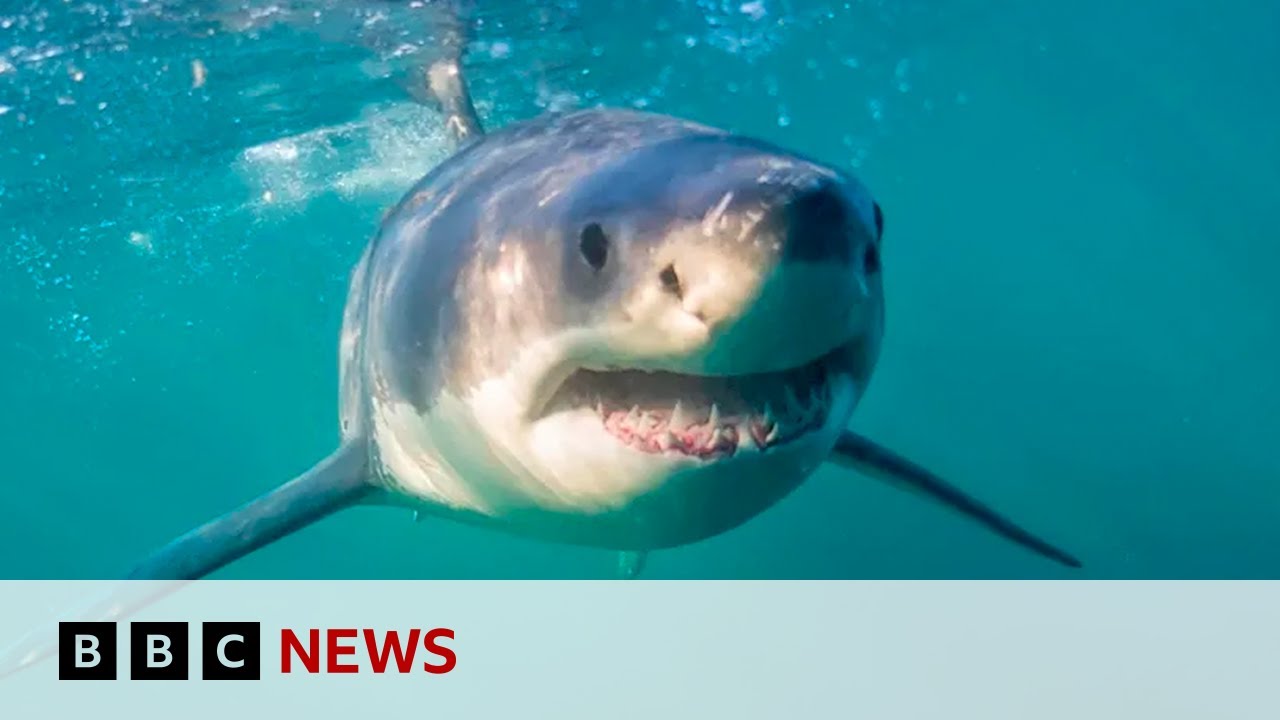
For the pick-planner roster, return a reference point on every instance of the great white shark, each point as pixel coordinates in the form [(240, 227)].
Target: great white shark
[(608, 328)]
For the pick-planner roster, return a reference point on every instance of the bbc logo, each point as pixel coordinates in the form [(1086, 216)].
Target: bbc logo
[(160, 651)]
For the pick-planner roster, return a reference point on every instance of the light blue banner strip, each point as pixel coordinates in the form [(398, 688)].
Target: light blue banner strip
[(610, 650)]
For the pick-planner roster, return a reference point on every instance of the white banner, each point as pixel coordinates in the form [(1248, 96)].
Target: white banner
[(610, 650)]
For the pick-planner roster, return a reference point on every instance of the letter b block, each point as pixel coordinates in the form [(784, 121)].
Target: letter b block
[(86, 651), (158, 651)]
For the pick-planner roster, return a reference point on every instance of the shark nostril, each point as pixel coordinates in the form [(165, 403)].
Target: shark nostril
[(671, 281)]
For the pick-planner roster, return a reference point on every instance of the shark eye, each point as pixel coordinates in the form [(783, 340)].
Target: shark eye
[(671, 281), (594, 245), (879, 220), (871, 260)]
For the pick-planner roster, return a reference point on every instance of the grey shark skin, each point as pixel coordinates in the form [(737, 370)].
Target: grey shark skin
[(541, 381), (607, 328)]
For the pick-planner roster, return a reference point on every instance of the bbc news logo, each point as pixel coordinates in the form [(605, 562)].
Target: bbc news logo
[(233, 651), (160, 651)]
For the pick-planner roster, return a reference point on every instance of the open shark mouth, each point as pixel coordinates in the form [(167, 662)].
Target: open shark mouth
[(700, 416)]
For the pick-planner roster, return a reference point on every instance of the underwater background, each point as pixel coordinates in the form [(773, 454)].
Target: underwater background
[(1081, 260)]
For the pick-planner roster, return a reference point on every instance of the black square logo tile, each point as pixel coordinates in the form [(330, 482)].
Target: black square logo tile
[(158, 651), (231, 650), (86, 651)]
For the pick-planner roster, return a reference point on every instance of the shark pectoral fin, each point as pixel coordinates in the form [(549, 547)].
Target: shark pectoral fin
[(112, 605), (336, 482), (631, 564), (867, 457)]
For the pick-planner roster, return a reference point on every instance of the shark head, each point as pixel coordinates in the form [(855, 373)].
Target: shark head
[(650, 339)]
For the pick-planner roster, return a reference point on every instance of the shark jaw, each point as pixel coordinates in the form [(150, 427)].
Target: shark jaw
[(703, 417), (622, 458)]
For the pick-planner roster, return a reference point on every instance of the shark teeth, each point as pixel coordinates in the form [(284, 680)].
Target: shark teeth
[(772, 435), (705, 419), (722, 434), (679, 418)]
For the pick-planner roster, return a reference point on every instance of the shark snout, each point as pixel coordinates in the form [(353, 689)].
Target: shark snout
[(781, 281)]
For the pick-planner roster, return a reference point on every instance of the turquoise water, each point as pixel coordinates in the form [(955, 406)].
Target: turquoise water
[(1080, 260)]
